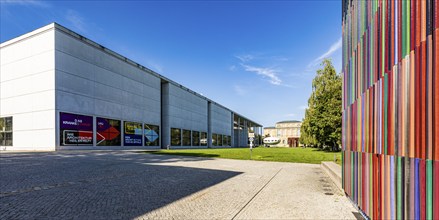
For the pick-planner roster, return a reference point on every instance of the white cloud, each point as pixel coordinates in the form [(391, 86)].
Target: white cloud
[(265, 72), (334, 47), (25, 3), (76, 20), (303, 107), (245, 58)]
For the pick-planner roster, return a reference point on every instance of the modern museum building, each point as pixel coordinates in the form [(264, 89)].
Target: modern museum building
[(60, 90)]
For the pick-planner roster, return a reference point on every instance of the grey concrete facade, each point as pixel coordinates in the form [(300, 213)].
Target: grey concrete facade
[(75, 75)]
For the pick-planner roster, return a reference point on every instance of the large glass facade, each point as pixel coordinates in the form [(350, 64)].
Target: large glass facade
[(203, 139), (108, 132), (132, 134), (214, 140), (175, 136), (220, 140), (75, 129), (186, 137), (152, 135), (195, 138), (6, 131), (229, 141)]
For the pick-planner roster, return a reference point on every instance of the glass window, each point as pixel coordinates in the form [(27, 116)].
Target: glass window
[(229, 140), (6, 131), (175, 137), (8, 124), (75, 129), (108, 132), (152, 135), (132, 134), (220, 140), (203, 139), (214, 140), (186, 137), (195, 138), (226, 140)]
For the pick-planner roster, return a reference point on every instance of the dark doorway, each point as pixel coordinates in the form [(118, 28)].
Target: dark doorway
[(293, 142)]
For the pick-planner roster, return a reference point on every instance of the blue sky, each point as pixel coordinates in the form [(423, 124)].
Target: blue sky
[(257, 58)]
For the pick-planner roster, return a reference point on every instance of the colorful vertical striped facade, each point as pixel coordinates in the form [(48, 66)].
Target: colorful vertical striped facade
[(391, 107)]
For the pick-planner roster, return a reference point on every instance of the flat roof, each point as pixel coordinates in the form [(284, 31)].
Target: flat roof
[(291, 121), (59, 27)]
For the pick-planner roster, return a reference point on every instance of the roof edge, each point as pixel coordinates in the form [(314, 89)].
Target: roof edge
[(29, 34)]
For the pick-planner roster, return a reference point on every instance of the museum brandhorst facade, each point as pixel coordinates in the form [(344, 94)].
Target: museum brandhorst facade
[(60, 90)]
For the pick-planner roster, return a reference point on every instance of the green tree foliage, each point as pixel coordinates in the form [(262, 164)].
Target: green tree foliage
[(321, 126)]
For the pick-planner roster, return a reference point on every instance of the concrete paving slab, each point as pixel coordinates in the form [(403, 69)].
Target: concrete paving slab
[(129, 185)]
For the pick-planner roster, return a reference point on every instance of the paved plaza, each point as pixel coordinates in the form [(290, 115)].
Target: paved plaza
[(132, 185)]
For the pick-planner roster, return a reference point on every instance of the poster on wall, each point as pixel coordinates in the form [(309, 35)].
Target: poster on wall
[(107, 132), (151, 133), (132, 134), (75, 129)]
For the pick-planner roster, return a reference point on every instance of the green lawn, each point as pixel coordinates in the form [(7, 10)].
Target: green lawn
[(296, 155)]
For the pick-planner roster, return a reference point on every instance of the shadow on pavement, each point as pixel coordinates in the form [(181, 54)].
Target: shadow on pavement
[(189, 154), (98, 185)]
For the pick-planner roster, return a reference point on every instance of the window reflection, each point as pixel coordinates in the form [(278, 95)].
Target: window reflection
[(214, 140), (175, 137), (195, 138), (6, 131), (186, 137), (203, 138)]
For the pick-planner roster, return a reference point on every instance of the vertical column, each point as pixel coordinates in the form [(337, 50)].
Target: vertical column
[(95, 124), (232, 133), (245, 134), (57, 131), (256, 135), (122, 133), (209, 125), (239, 131), (165, 129)]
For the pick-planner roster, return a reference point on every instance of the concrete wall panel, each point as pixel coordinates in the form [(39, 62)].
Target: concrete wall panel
[(73, 84), (25, 67), (103, 85), (28, 47), (187, 110), (221, 120)]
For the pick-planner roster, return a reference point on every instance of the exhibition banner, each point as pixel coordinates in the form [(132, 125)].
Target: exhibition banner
[(133, 134), (151, 133), (76, 129), (108, 132)]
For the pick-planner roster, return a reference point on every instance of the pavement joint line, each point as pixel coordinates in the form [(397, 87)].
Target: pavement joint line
[(257, 193)]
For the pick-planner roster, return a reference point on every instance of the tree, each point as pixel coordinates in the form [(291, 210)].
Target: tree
[(306, 136), (322, 123)]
